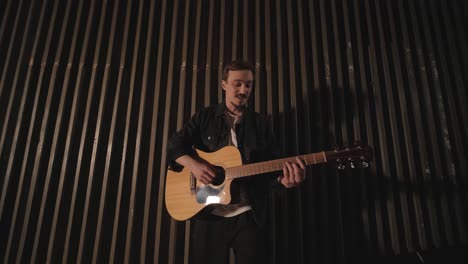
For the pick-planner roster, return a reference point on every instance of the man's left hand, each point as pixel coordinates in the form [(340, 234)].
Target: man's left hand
[(293, 173)]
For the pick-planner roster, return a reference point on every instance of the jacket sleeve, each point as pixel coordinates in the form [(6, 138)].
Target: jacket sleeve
[(182, 142)]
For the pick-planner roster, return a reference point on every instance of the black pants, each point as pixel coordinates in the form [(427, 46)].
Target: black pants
[(211, 240)]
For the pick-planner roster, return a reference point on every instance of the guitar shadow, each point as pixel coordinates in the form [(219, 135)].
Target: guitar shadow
[(388, 209)]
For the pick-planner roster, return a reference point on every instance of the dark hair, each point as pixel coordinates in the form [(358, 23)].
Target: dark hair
[(237, 66)]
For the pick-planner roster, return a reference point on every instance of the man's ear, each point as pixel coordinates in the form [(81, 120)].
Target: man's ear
[(224, 83)]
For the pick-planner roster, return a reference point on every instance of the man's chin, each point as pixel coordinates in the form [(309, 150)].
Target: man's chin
[(239, 107)]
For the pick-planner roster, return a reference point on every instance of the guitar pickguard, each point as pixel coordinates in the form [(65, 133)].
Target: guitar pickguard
[(206, 194)]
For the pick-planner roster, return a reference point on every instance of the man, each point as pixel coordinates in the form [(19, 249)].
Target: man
[(239, 225)]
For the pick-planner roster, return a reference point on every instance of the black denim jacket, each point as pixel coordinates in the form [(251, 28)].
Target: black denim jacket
[(208, 130)]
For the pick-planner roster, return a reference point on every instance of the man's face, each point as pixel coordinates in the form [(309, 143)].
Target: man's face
[(238, 86)]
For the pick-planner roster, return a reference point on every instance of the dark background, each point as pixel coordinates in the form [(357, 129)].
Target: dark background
[(91, 90)]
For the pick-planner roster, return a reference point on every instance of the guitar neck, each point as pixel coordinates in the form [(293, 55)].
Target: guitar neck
[(272, 165)]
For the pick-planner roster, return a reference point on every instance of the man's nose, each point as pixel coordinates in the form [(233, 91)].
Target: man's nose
[(243, 89)]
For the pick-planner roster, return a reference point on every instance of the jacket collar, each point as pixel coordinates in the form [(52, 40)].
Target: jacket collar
[(221, 109)]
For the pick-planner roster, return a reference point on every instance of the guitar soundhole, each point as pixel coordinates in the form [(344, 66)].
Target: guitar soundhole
[(220, 176)]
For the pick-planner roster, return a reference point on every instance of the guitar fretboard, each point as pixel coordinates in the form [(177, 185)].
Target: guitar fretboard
[(272, 165)]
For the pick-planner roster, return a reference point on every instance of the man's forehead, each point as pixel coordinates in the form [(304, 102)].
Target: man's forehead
[(240, 75), (242, 80)]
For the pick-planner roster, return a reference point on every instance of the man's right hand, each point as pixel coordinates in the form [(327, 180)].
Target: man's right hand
[(201, 169)]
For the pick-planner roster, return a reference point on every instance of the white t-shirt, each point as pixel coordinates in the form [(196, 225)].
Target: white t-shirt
[(243, 205)]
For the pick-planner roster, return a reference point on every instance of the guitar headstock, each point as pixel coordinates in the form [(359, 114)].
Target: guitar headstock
[(356, 156)]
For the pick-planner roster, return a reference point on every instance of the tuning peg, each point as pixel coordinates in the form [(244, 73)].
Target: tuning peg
[(335, 148), (340, 165), (361, 164), (365, 164)]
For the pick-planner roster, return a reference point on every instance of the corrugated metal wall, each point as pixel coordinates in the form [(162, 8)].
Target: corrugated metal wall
[(91, 90)]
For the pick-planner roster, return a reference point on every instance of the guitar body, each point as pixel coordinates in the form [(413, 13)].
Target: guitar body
[(185, 197)]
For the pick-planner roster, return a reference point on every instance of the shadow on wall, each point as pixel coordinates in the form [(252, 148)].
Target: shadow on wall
[(453, 255)]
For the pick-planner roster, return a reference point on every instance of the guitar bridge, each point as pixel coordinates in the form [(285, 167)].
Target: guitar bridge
[(193, 184)]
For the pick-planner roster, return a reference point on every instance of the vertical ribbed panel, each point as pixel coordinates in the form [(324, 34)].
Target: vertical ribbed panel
[(90, 91)]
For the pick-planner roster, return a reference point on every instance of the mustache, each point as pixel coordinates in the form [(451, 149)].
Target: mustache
[(241, 96)]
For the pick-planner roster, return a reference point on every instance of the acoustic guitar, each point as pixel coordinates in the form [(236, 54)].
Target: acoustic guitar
[(185, 196)]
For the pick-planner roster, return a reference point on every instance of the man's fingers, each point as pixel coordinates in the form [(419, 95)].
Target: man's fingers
[(210, 172), (301, 163), (290, 171), (285, 171), (206, 178), (202, 180), (297, 174), (209, 176)]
